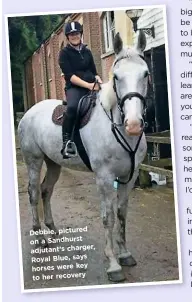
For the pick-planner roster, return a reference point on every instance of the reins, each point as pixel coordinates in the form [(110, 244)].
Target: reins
[(124, 144)]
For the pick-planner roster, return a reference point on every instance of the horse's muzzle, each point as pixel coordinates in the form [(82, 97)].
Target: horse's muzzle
[(134, 128)]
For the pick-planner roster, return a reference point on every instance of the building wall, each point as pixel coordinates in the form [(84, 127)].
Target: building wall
[(29, 97), (107, 61), (38, 76), (44, 72), (58, 80), (107, 58), (148, 18), (50, 59), (91, 36), (95, 39), (123, 25)]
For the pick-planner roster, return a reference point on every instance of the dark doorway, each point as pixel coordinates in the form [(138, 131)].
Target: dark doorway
[(157, 98)]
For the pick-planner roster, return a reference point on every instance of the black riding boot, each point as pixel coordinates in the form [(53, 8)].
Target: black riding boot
[(69, 149)]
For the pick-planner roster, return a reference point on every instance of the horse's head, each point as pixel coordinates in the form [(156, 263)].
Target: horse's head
[(130, 82)]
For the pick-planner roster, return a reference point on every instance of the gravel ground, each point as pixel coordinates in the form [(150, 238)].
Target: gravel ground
[(150, 230)]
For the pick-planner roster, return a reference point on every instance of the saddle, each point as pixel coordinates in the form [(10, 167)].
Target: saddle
[(84, 110)]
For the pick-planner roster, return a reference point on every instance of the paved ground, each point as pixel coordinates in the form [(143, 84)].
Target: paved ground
[(150, 231)]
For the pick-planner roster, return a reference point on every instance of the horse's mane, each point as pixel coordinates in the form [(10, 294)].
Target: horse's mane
[(107, 94)]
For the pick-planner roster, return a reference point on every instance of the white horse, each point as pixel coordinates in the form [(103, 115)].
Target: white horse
[(121, 103)]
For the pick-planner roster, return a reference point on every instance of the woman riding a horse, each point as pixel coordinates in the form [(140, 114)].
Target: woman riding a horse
[(77, 64), (114, 140)]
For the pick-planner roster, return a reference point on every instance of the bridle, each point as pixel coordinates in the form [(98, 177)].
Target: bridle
[(114, 126), (129, 95)]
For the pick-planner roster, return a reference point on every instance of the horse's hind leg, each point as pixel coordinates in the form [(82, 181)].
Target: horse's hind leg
[(34, 165), (125, 257), (51, 177)]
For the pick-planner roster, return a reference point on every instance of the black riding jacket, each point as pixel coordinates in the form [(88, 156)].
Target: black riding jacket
[(77, 62)]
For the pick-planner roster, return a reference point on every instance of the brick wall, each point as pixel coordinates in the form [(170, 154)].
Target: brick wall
[(91, 37), (43, 76), (86, 30), (35, 68), (29, 84), (107, 61), (51, 68), (44, 72), (39, 75), (95, 39), (62, 41), (58, 79)]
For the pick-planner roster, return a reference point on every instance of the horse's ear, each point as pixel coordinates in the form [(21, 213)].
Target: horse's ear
[(117, 44), (141, 42)]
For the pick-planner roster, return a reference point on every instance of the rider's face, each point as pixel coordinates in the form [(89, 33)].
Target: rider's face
[(74, 38)]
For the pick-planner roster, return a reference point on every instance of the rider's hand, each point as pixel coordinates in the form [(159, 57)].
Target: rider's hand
[(98, 79), (95, 85)]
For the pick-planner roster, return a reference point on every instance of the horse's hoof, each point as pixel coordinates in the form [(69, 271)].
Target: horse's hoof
[(128, 261), (116, 276), (52, 227), (55, 234), (42, 242)]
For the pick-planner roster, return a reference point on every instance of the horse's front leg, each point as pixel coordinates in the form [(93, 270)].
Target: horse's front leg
[(125, 257), (105, 186)]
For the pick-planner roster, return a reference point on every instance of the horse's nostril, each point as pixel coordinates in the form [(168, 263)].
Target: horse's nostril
[(139, 122), (142, 122)]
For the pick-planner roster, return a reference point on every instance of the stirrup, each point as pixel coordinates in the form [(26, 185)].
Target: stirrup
[(70, 149)]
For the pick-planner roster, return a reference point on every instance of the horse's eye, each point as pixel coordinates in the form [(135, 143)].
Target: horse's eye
[(115, 77), (146, 73)]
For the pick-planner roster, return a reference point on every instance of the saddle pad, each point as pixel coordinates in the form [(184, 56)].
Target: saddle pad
[(57, 116)]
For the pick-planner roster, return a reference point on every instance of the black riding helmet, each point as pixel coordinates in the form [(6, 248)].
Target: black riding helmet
[(71, 27)]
